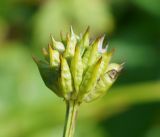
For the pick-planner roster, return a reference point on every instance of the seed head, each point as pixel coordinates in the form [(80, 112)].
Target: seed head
[(76, 69)]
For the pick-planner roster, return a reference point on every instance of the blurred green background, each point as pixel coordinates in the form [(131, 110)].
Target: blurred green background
[(132, 106)]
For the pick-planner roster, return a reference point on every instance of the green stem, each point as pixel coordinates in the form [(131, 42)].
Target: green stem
[(71, 115)]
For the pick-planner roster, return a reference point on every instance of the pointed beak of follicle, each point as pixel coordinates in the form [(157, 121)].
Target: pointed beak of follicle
[(101, 48), (121, 67)]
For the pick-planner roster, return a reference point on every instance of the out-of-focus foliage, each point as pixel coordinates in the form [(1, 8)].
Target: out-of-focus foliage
[(151, 7), (131, 108), (78, 13)]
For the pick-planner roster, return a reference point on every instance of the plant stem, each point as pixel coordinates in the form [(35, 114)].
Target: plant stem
[(71, 116)]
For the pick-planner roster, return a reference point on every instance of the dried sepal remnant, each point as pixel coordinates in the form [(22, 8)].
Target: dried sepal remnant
[(76, 69)]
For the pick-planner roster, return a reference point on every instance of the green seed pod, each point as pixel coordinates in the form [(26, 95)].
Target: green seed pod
[(91, 54), (49, 76), (84, 42), (57, 45), (70, 47), (86, 58), (86, 38), (65, 79), (104, 82), (94, 54), (106, 57), (90, 79), (77, 69), (70, 44), (74, 37), (54, 59)]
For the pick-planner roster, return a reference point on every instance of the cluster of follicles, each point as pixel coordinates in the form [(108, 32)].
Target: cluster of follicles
[(76, 68)]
